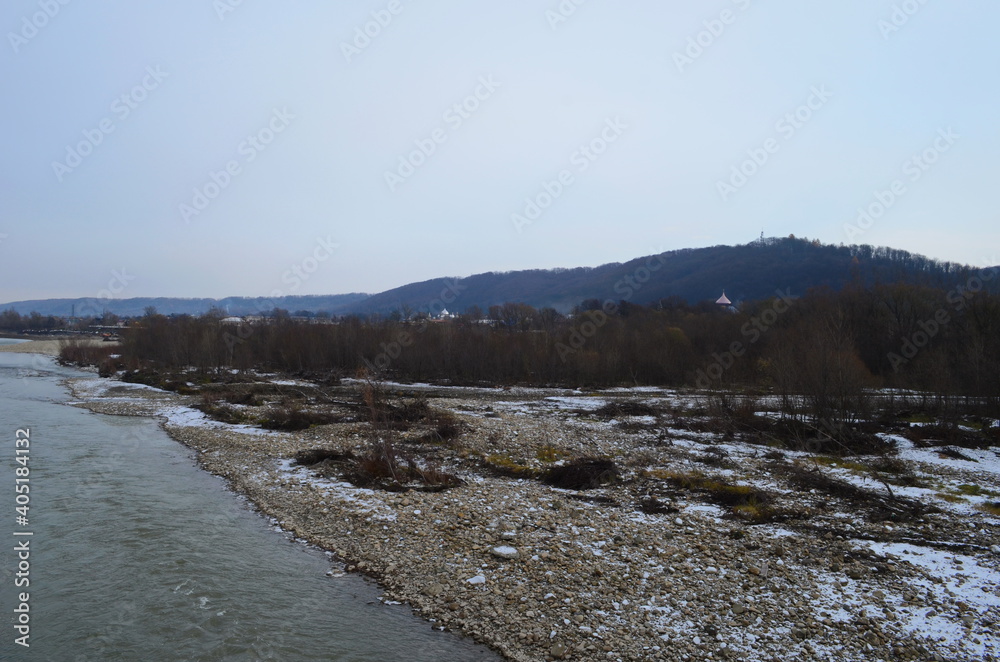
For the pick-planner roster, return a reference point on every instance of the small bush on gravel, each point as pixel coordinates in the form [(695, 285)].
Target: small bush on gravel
[(85, 353), (584, 473), (879, 506), (503, 465), (744, 501), (168, 381), (381, 465), (315, 456), (653, 506), (290, 418), (224, 413), (924, 436), (617, 409)]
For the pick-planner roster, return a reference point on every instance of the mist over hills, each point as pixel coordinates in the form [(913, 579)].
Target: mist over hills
[(746, 272), (136, 306)]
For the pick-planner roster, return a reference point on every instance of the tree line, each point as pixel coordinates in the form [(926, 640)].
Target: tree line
[(831, 345)]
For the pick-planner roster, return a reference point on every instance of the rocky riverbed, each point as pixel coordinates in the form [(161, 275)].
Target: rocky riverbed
[(700, 545)]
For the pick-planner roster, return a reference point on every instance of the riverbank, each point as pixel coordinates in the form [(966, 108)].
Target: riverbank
[(136, 553), (653, 565)]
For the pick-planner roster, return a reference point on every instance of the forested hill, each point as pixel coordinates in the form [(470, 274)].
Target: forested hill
[(746, 272)]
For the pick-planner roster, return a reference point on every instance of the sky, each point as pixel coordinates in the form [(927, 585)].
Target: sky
[(212, 148)]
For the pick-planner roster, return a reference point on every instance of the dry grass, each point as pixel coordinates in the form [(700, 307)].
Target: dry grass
[(745, 502), (548, 453), (503, 465), (990, 508)]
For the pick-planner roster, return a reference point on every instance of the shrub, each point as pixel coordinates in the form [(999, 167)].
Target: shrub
[(878, 505), (224, 413), (584, 473), (314, 456), (939, 435), (617, 409), (85, 353), (292, 417), (744, 501), (503, 465)]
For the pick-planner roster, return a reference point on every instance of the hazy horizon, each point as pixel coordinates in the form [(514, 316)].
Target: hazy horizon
[(121, 279), (207, 149)]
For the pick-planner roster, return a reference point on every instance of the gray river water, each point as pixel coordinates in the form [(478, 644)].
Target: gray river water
[(137, 554)]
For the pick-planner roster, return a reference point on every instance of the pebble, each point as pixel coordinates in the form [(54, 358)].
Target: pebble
[(505, 552)]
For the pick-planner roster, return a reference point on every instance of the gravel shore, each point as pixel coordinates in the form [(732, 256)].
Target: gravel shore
[(638, 569)]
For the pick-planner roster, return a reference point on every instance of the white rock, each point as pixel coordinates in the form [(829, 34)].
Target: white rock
[(505, 552), (478, 579)]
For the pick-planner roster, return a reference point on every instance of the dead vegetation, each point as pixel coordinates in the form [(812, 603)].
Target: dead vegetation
[(87, 353), (585, 473), (939, 434), (376, 471), (623, 408), (500, 464), (381, 464), (876, 504), (744, 502)]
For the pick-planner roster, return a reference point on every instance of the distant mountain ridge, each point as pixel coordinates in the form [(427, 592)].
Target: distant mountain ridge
[(746, 272), (335, 304)]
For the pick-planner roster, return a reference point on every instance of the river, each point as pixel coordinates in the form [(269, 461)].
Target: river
[(155, 559)]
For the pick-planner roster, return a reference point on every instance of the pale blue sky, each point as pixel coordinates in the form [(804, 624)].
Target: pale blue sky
[(340, 120)]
